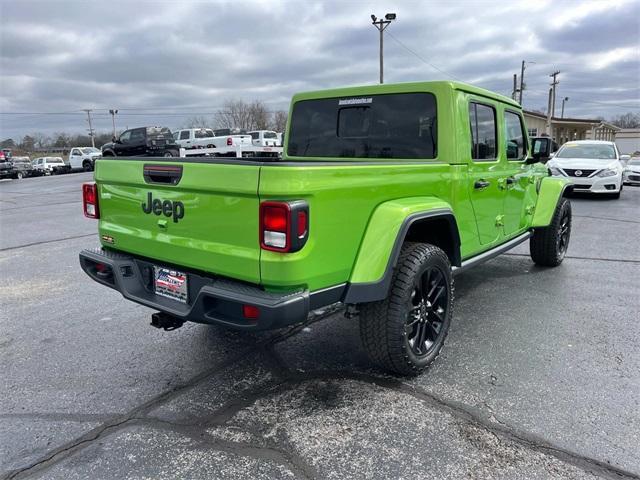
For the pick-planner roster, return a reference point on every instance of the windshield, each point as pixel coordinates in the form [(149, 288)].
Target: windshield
[(401, 125), (89, 150), (587, 150), (204, 133), (270, 135)]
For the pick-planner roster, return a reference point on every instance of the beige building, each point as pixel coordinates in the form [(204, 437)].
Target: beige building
[(565, 129)]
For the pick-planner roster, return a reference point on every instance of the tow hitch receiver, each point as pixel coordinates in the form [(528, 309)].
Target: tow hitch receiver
[(165, 321)]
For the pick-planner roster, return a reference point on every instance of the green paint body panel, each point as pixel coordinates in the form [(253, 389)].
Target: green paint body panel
[(356, 206), (551, 189)]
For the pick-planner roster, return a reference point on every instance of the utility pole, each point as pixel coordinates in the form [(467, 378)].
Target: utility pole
[(515, 86), (113, 120), (553, 87), (565, 99), (93, 142), (381, 25), (548, 125), (521, 82)]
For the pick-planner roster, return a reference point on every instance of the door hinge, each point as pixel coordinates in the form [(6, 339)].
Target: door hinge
[(500, 221)]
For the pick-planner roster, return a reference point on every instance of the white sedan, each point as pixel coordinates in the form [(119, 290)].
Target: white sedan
[(591, 165), (632, 171)]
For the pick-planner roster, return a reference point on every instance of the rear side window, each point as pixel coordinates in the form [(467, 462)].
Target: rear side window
[(484, 135), (378, 126), (516, 139)]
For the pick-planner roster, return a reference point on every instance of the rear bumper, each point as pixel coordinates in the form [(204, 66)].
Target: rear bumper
[(211, 299)]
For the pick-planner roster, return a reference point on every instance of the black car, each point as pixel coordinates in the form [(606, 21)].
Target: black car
[(143, 142), (14, 167)]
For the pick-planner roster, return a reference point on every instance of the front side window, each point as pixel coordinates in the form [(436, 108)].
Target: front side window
[(184, 135), (255, 135), (484, 135), (75, 152), (401, 125), (125, 137), (270, 135), (516, 139)]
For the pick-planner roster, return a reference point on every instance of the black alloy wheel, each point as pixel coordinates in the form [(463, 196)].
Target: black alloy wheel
[(565, 232), (428, 310)]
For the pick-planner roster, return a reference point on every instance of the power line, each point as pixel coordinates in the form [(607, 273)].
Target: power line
[(422, 59)]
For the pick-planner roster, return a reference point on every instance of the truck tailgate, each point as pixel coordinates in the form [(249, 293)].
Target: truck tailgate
[(207, 220)]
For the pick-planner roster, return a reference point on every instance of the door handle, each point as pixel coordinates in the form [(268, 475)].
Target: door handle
[(481, 184)]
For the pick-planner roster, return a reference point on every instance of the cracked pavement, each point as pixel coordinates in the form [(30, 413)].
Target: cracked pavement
[(540, 376)]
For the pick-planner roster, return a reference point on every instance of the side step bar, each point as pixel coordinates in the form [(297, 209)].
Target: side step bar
[(489, 254)]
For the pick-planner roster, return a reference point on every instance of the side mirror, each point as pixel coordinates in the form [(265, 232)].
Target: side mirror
[(541, 149), (114, 139)]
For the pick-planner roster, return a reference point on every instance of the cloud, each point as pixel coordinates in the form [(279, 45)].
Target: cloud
[(189, 57)]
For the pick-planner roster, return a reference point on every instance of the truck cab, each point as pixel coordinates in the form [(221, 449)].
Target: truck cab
[(83, 158), (141, 142)]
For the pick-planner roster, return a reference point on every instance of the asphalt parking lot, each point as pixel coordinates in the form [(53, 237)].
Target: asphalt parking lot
[(540, 377)]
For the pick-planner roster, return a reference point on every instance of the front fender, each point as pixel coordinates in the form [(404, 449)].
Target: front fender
[(380, 247), (551, 191)]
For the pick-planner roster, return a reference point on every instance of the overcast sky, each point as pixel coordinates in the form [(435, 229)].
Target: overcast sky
[(179, 59)]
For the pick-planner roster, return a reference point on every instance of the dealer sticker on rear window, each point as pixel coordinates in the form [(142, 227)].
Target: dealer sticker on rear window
[(355, 101)]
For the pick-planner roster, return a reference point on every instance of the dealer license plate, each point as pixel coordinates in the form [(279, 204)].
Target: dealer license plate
[(171, 284)]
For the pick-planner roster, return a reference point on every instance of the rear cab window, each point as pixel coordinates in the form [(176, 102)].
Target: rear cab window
[(484, 132), (399, 125)]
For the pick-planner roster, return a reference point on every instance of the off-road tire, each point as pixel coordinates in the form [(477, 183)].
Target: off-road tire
[(382, 324), (545, 245)]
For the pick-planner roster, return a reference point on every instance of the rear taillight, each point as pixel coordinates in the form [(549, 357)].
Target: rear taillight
[(229, 141), (90, 200), (284, 226)]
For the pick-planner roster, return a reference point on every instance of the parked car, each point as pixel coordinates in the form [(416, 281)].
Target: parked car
[(143, 142), (632, 171), (411, 195), (207, 138), (264, 138), (14, 167), (22, 167), (592, 166), (83, 158), (50, 166)]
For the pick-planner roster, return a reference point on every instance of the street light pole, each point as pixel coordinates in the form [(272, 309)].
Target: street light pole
[(113, 120), (565, 99), (381, 25)]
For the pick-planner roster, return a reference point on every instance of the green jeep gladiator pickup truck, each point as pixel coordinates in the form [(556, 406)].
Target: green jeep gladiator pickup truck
[(383, 194)]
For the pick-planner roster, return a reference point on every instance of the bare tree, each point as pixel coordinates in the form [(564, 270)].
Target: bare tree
[(40, 139), (234, 114), (259, 116), (627, 120), (62, 139), (197, 122), (279, 121)]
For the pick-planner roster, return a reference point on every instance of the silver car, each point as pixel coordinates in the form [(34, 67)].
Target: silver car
[(631, 173)]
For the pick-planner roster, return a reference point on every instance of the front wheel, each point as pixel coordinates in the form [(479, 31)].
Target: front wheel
[(170, 153), (19, 176), (87, 166), (548, 245), (405, 332)]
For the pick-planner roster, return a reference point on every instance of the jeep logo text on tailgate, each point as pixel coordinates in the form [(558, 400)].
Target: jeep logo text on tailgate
[(166, 207)]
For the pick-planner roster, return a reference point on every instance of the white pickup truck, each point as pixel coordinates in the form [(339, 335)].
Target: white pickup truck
[(264, 138), (207, 138), (83, 158)]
